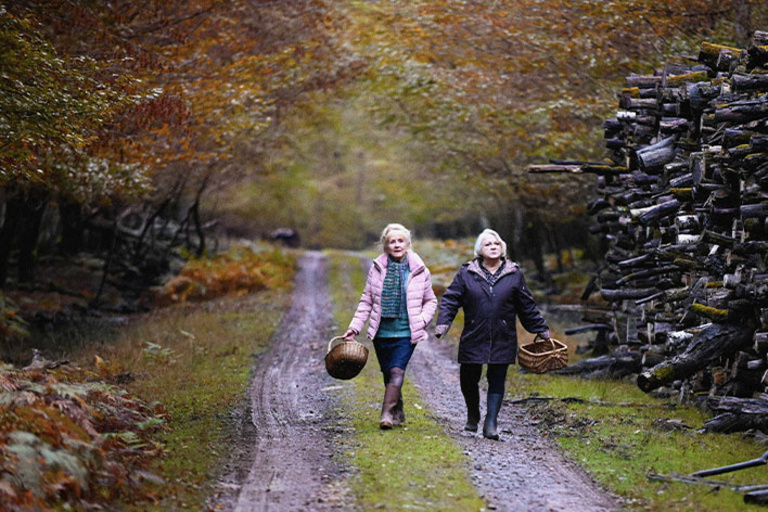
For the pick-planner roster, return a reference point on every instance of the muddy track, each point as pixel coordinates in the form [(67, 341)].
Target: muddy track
[(284, 460)]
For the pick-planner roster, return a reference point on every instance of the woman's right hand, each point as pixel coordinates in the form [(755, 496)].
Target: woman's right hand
[(350, 335)]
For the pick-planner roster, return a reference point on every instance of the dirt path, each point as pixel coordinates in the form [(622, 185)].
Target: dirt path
[(523, 471), (285, 459), (286, 443)]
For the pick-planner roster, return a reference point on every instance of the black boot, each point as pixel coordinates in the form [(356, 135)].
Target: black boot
[(472, 399), (490, 429), (469, 378)]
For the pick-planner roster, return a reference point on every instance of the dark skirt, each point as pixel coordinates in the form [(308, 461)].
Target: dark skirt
[(393, 352)]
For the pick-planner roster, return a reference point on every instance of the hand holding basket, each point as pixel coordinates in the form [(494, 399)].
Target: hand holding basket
[(543, 356), (346, 359)]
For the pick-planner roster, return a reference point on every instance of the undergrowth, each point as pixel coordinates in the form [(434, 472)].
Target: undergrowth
[(69, 439), (198, 365), (77, 437), (195, 358)]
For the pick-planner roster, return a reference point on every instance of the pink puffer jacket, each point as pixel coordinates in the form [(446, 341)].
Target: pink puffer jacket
[(420, 298)]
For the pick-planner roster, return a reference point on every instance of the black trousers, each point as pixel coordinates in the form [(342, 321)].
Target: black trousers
[(470, 374)]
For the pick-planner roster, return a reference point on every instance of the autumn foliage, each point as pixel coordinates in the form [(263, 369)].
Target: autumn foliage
[(110, 107), (68, 436), (236, 272), (121, 110), (152, 106)]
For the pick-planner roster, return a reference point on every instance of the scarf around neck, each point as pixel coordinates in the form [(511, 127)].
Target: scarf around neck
[(392, 295), (492, 277)]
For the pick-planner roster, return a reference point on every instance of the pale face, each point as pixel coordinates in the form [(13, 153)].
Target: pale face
[(396, 246), (491, 248)]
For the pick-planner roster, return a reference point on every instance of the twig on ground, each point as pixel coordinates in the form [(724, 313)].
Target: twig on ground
[(576, 400)]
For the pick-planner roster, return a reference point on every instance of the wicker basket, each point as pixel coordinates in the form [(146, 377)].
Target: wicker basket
[(345, 360), (543, 356)]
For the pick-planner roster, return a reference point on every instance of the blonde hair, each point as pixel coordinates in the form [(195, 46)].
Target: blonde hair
[(395, 227), (486, 233)]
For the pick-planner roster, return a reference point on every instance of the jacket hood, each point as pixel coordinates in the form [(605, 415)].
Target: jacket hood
[(510, 267)]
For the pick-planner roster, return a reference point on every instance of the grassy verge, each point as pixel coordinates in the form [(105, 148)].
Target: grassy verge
[(621, 436), (416, 466), (195, 359)]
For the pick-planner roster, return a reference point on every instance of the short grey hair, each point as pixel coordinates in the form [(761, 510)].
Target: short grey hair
[(395, 227), (485, 234)]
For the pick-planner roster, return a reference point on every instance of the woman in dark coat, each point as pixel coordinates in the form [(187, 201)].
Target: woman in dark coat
[(493, 293)]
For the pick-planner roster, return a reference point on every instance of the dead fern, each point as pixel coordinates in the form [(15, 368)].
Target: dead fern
[(70, 440)]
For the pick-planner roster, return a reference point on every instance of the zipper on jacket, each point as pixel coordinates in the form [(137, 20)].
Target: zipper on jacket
[(490, 348)]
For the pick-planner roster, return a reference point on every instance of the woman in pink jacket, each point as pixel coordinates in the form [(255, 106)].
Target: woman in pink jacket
[(398, 302)]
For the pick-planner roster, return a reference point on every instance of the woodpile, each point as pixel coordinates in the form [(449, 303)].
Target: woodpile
[(682, 204)]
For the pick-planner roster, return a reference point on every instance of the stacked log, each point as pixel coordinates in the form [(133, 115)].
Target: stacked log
[(682, 202)]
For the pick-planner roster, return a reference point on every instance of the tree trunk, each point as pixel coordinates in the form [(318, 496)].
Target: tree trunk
[(743, 9), (659, 212), (7, 236), (757, 497), (535, 247), (627, 293), (713, 342), (27, 238), (613, 366), (652, 158), (742, 112), (71, 227)]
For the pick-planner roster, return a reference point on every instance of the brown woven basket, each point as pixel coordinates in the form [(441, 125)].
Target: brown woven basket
[(345, 360), (543, 356)]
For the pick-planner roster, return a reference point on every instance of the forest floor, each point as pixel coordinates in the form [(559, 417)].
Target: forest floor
[(287, 441)]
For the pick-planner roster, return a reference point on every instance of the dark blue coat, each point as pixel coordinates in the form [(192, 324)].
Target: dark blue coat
[(490, 331)]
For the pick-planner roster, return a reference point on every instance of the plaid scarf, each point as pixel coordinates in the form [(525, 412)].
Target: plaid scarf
[(493, 277), (392, 294)]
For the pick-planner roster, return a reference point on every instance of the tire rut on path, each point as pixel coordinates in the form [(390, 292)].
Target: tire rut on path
[(522, 472), (289, 465)]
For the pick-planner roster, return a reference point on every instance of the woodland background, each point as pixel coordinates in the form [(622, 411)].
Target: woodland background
[(138, 136), (124, 123)]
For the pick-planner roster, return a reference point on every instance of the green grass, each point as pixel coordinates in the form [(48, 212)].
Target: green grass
[(413, 467), (196, 361), (621, 435)]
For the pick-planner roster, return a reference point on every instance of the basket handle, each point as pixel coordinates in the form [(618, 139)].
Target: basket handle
[(540, 339), (330, 343)]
